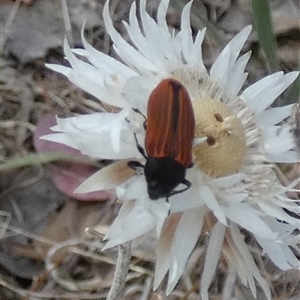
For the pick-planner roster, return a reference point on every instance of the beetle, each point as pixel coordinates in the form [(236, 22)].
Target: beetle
[(170, 130)]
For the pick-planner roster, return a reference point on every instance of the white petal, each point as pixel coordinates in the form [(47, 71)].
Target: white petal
[(263, 93), (105, 63), (163, 250), (92, 135), (286, 157), (212, 258), (186, 236), (124, 211), (274, 115), (161, 15), (278, 140), (237, 260), (185, 35), (90, 79), (280, 254), (189, 199), (237, 76), (138, 97), (223, 65), (245, 216), (230, 180), (277, 212), (210, 200), (154, 36), (132, 189), (129, 55), (125, 228), (236, 198), (196, 51), (243, 249), (142, 43)]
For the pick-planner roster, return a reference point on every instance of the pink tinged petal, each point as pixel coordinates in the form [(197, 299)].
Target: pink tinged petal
[(212, 258), (274, 115), (128, 54), (246, 217), (66, 175), (61, 138), (107, 178), (243, 249), (163, 250), (237, 76), (280, 254), (210, 200), (44, 125), (186, 236), (136, 223), (263, 93), (220, 70)]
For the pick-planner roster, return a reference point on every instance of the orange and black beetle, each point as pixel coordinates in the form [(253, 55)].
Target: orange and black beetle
[(169, 137)]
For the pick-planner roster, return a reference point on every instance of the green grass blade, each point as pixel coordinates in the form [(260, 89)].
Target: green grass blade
[(263, 23)]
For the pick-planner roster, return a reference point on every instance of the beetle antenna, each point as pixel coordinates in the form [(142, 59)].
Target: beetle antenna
[(185, 182)]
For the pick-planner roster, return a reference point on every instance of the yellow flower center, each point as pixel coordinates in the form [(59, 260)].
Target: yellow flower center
[(225, 148)]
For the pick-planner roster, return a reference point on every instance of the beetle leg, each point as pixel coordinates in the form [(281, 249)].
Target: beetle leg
[(136, 166), (139, 147), (133, 164), (136, 110)]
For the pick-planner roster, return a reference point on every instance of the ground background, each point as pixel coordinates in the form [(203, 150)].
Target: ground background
[(37, 213)]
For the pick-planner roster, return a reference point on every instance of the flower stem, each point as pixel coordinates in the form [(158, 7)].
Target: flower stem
[(122, 267)]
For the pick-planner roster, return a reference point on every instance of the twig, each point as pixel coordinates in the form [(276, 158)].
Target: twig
[(7, 26), (118, 285)]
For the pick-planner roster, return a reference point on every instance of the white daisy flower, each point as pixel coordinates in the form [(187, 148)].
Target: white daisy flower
[(238, 139)]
